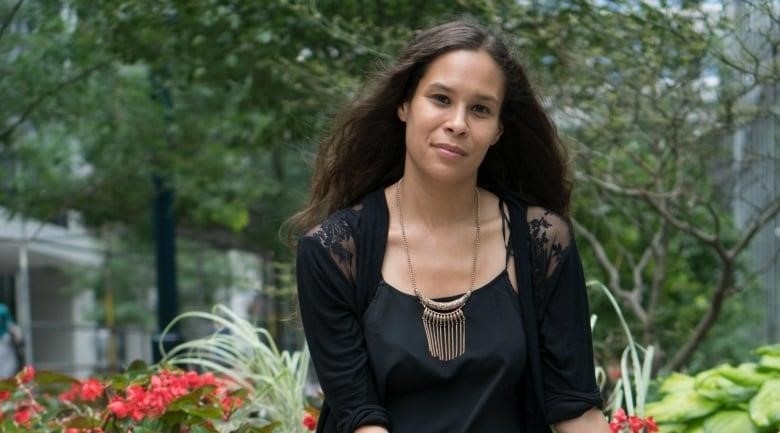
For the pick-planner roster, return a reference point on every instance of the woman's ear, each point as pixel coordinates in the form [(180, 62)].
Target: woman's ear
[(498, 133), (402, 110)]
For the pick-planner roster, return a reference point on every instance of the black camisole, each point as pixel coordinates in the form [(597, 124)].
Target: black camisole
[(475, 392)]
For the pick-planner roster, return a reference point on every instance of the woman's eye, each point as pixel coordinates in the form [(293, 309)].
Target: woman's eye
[(442, 99), (481, 109)]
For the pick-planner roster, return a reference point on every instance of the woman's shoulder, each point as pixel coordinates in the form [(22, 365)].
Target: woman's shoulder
[(345, 221), (547, 225), (340, 229), (337, 235), (543, 223), (336, 228)]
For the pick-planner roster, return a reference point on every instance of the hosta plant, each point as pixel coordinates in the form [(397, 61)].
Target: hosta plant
[(724, 399)]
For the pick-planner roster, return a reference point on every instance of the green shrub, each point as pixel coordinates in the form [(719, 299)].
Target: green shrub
[(723, 399)]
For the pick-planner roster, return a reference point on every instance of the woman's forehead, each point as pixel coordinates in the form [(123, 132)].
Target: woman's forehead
[(465, 71)]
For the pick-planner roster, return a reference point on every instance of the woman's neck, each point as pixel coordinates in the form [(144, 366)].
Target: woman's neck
[(436, 206)]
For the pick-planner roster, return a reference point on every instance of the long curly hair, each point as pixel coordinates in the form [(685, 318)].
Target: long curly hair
[(365, 148)]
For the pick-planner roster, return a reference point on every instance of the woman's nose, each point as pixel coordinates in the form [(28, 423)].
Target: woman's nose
[(456, 123)]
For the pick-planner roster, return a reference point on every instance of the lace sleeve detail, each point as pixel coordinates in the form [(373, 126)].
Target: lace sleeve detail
[(337, 235), (550, 239), (563, 318)]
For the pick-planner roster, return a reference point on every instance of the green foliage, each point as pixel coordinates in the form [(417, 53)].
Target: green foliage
[(635, 365), (225, 100), (123, 282), (724, 399)]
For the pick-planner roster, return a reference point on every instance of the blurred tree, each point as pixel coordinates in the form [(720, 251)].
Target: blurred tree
[(649, 98), (645, 97)]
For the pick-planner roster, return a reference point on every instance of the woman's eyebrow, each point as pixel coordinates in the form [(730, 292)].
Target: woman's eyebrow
[(444, 88)]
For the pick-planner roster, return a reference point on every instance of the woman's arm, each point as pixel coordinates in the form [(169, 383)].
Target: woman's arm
[(371, 429), (328, 307), (565, 341), (592, 421)]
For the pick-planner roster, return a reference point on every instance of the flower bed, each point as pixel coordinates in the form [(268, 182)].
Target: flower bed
[(143, 399)]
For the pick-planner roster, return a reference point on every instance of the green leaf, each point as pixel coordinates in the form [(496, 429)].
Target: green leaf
[(8, 384), (765, 406), (680, 407), (207, 412), (695, 428), (53, 378), (172, 417), (677, 382), (771, 350), (193, 398), (203, 428), (673, 428), (145, 429), (747, 374), (714, 386), (268, 428), (138, 365), (769, 362), (730, 421), (82, 422)]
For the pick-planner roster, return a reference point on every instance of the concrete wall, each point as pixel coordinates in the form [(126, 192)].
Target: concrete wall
[(63, 339)]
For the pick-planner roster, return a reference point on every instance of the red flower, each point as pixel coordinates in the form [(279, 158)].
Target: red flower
[(309, 421), (615, 426), (614, 372), (23, 415), (5, 395), (229, 404), (652, 427), (70, 395), (27, 374), (91, 390), (635, 424), (119, 407), (620, 416)]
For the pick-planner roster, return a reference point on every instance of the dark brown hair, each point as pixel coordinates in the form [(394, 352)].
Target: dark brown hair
[(364, 150)]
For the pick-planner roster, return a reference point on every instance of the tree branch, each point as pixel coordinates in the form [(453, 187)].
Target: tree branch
[(750, 231), (629, 192), (705, 323), (659, 276), (603, 259), (6, 133), (766, 266), (639, 285), (10, 17), (703, 236)]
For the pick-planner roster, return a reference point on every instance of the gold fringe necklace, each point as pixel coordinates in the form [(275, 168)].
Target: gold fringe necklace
[(444, 322)]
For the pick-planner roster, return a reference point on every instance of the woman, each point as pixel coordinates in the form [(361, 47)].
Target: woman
[(439, 285)]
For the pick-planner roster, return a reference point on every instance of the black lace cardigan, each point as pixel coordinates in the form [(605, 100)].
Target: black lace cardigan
[(338, 270)]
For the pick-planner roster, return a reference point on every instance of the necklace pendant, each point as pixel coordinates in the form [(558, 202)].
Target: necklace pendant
[(444, 322), (445, 332)]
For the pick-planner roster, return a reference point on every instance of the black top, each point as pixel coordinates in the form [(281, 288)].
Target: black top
[(338, 270), (474, 392)]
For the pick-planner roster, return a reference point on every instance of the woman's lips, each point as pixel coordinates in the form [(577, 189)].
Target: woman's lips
[(450, 149)]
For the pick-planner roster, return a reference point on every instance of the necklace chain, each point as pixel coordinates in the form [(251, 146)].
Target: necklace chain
[(427, 301)]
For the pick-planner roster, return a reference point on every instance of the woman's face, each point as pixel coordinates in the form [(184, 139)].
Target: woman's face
[(453, 117)]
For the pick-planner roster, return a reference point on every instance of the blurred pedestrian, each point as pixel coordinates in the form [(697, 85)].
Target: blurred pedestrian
[(10, 338)]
